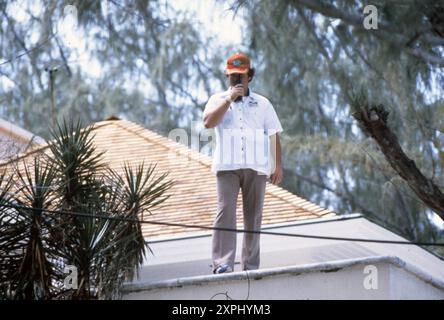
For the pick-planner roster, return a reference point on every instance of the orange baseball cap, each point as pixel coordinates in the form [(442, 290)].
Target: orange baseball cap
[(238, 63)]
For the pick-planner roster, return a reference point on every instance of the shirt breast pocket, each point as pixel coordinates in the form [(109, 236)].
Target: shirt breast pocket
[(255, 117), (227, 121)]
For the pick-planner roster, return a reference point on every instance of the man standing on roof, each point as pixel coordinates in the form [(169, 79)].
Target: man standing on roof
[(247, 154)]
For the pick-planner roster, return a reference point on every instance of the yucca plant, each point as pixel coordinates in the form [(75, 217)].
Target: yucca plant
[(9, 258), (25, 234), (104, 242)]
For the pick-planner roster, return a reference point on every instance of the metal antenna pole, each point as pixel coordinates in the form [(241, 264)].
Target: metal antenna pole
[(51, 72)]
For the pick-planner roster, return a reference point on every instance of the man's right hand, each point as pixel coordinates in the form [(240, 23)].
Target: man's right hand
[(237, 91), (212, 117)]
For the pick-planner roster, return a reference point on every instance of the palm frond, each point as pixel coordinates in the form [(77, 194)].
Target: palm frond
[(73, 179)]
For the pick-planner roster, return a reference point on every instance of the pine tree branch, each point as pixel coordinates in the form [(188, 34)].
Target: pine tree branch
[(339, 194), (354, 203), (27, 51), (385, 31), (373, 120), (63, 56)]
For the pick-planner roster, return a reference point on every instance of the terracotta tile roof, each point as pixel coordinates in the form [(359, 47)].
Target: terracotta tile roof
[(193, 196), (14, 139), (10, 130)]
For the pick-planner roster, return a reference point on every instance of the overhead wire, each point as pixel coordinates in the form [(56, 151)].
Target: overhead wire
[(171, 224)]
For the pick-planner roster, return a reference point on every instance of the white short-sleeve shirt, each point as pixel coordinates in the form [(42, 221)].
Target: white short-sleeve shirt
[(242, 137)]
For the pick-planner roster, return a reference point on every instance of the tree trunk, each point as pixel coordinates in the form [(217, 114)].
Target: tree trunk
[(373, 120)]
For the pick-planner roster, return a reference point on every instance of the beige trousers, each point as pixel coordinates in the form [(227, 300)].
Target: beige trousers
[(252, 185)]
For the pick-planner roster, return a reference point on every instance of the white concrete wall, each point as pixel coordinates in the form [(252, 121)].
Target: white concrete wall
[(410, 272), (392, 282), (405, 285)]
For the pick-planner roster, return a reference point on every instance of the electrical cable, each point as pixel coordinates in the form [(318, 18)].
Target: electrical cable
[(114, 218)]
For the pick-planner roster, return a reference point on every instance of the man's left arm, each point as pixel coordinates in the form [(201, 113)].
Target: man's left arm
[(278, 173)]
